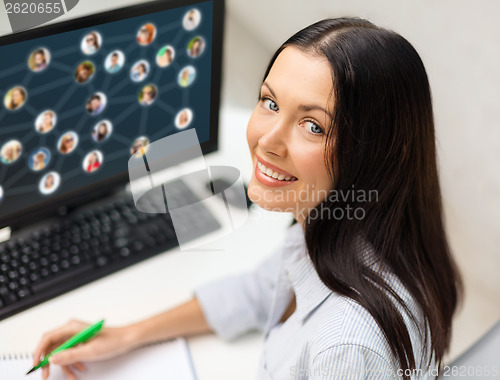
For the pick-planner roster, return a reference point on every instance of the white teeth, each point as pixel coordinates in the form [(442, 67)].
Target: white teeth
[(271, 173)]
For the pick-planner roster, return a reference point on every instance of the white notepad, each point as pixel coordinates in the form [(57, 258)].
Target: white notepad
[(163, 361)]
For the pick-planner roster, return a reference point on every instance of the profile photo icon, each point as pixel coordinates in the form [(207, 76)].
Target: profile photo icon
[(39, 59), (139, 70), (146, 34), (84, 72), (183, 118), (49, 183), (191, 19), (114, 61), (15, 98), (196, 47), (148, 95), (92, 161), (39, 159), (102, 130), (10, 152), (165, 56), (45, 121), (67, 142), (96, 103), (139, 146), (91, 43), (186, 76)]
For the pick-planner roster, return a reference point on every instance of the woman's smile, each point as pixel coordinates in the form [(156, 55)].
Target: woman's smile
[(271, 175)]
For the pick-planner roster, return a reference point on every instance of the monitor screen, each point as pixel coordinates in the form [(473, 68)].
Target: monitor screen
[(80, 97)]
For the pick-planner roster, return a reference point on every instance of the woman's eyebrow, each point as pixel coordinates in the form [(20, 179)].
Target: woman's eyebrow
[(302, 107)]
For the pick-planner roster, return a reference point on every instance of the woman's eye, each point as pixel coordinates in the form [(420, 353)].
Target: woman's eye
[(312, 127), (268, 103)]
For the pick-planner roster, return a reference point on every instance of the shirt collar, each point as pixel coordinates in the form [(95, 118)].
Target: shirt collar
[(309, 290)]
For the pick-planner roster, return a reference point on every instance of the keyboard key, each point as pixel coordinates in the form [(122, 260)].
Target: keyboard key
[(102, 261), (13, 286), (22, 293), (124, 252), (9, 298), (54, 268), (63, 277)]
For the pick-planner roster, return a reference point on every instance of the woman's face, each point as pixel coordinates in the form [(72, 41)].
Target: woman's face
[(103, 129), (49, 181), (69, 142), (286, 133), (47, 119), (147, 94), (9, 152), (144, 36), (95, 103), (39, 58), (17, 96), (90, 40)]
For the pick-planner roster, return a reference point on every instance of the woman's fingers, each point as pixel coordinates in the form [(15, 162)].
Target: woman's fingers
[(68, 372), (80, 366), (45, 372), (74, 355), (55, 337)]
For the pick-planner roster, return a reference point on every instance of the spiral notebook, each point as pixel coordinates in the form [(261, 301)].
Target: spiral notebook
[(163, 361)]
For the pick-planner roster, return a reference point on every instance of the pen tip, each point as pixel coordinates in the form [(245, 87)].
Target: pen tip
[(31, 370)]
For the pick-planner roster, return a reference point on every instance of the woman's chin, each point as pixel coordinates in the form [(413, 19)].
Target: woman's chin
[(265, 199)]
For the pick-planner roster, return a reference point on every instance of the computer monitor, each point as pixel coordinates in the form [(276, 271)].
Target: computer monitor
[(81, 96)]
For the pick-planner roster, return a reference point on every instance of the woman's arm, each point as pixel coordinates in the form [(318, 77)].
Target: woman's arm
[(183, 320)]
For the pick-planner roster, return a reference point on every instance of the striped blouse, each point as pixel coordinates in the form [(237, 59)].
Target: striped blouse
[(328, 336)]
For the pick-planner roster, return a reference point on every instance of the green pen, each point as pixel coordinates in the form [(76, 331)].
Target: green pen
[(80, 337)]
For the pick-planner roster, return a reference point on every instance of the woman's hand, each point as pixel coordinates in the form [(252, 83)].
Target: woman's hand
[(109, 343)]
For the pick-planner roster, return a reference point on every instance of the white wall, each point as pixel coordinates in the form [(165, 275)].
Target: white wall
[(459, 42)]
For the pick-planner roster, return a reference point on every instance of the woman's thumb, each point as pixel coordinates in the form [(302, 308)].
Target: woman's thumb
[(71, 355)]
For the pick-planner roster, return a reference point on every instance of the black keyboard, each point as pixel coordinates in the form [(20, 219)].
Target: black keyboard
[(87, 245)]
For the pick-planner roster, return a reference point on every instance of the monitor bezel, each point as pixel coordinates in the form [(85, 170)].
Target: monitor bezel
[(89, 193)]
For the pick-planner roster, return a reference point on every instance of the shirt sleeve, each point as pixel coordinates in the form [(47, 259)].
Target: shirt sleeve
[(350, 361), (239, 303)]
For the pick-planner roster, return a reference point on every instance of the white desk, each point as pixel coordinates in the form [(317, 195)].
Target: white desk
[(168, 279)]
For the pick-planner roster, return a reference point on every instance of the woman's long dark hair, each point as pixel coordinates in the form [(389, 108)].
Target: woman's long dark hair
[(382, 139)]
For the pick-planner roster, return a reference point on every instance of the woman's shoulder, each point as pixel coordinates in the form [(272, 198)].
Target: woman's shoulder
[(345, 325), (345, 330)]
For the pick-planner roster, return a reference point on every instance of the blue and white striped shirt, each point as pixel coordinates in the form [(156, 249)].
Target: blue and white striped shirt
[(328, 336)]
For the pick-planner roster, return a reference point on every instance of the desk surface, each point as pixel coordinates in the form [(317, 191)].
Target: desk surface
[(168, 279)]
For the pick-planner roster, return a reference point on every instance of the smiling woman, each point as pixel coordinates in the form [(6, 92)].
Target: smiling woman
[(344, 108)]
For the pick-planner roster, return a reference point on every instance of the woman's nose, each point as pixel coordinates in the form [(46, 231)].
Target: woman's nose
[(275, 139)]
